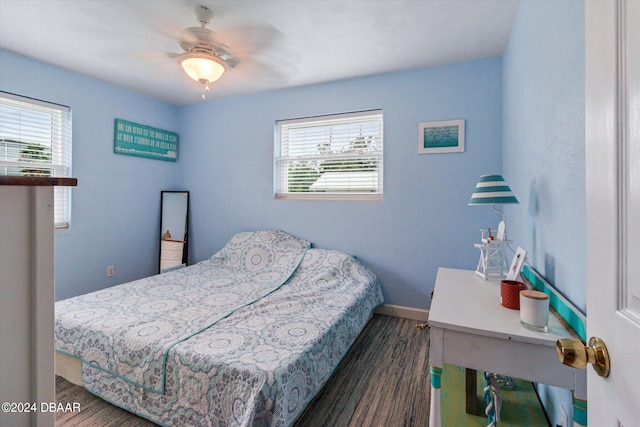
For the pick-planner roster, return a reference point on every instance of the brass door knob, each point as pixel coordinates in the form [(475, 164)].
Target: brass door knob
[(574, 353)]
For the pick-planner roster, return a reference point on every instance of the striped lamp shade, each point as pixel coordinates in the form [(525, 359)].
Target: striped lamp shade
[(491, 189)]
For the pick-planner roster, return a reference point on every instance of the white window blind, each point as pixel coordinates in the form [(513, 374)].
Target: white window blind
[(35, 140), (330, 157)]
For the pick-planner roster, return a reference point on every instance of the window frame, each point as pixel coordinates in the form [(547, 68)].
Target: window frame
[(283, 158), (36, 140)]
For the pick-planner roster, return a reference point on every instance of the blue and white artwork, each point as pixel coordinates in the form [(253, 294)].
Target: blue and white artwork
[(441, 137)]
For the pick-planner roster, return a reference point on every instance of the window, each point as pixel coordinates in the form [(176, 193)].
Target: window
[(337, 157), (35, 140)]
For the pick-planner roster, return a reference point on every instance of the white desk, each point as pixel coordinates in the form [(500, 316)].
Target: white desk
[(470, 328)]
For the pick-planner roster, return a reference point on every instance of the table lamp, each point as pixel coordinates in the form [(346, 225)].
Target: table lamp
[(493, 190)]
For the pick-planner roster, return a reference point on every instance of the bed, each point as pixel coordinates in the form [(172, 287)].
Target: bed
[(247, 337)]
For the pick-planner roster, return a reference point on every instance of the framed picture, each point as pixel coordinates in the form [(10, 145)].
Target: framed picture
[(516, 264), (441, 137)]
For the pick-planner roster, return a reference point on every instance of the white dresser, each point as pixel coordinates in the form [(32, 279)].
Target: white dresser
[(170, 253)]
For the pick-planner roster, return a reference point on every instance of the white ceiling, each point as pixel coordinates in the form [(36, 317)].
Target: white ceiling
[(280, 43)]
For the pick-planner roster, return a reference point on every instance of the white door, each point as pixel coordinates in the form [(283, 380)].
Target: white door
[(613, 206)]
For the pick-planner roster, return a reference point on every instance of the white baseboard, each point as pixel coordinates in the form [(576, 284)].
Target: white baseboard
[(404, 312)]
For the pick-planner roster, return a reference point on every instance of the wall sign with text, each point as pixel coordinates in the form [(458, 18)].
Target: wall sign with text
[(133, 139)]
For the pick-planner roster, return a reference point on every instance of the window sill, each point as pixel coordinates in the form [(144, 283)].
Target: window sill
[(353, 197)]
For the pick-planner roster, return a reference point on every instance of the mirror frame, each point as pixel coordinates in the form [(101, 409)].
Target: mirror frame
[(185, 246)]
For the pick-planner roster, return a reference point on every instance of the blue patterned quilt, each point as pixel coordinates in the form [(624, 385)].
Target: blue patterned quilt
[(134, 326), (245, 338)]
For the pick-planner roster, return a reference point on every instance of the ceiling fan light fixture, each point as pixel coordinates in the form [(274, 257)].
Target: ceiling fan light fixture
[(202, 67)]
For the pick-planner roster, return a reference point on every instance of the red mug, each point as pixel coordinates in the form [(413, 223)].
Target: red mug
[(510, 293)]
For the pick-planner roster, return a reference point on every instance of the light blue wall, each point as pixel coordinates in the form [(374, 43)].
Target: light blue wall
[(544, 150), (226, 161), (422, 223), (116, 205)]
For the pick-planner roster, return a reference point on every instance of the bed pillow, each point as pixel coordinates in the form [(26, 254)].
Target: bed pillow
[(259, 250)]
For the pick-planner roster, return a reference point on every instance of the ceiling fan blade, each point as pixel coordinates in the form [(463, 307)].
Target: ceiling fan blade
[(250, 38), (199, 37), (265, 68), (231, 61)]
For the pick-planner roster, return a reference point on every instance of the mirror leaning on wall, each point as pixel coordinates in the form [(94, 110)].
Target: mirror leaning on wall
[(174, 225)]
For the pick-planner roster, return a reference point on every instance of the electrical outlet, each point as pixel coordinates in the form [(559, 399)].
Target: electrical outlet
[(111, 271)]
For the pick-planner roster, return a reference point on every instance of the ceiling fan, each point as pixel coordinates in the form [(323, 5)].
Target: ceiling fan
[(206, 58)]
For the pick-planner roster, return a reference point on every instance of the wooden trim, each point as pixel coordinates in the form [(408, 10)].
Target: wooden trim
[(37, 181), (403, 312)]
